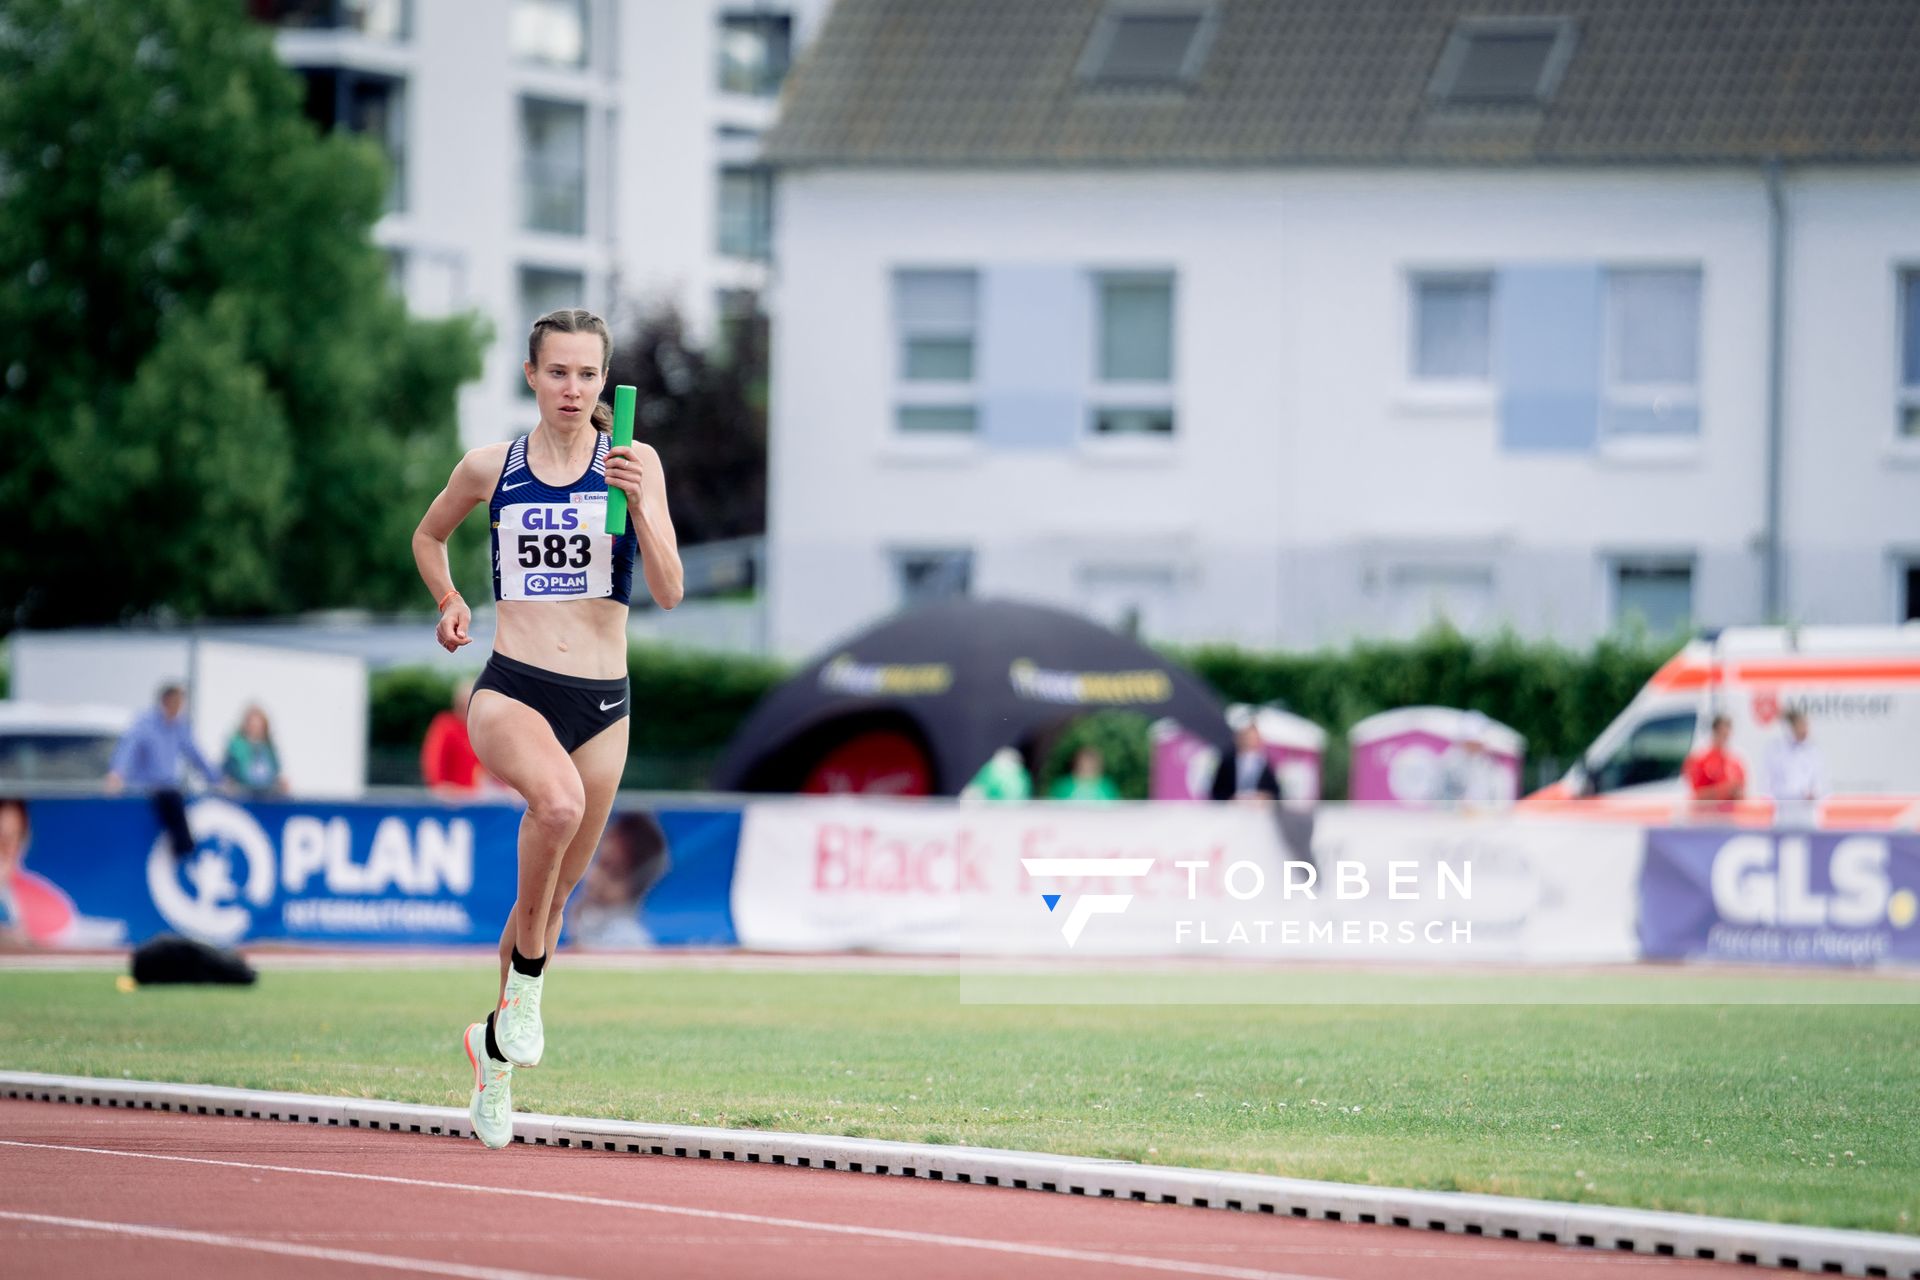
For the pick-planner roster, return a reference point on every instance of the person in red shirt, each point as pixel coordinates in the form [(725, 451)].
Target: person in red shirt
[(1716, 774), (448, 764)]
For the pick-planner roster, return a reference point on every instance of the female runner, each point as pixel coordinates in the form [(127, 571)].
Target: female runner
[(549, 713)]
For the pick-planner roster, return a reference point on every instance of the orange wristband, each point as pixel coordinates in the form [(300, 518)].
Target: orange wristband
[(442, 606)]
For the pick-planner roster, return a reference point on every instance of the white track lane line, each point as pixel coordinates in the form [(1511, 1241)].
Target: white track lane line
[(1137, 1261), (349, 1257)]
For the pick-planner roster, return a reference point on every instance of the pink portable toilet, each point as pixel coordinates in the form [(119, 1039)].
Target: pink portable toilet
[(1183, 764), (1434, 758)]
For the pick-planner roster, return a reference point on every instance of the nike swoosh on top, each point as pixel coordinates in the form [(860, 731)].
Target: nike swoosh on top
[(608, 706), (505, 487)]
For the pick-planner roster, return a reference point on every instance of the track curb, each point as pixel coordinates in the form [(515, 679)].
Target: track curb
[(1815, 1249)]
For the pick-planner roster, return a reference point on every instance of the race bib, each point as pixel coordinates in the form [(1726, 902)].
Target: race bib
[(554, 551)]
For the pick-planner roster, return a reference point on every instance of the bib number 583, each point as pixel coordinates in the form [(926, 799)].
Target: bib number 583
[(555, 551)]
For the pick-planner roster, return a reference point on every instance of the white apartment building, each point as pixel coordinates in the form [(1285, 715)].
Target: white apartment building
[(1289, 321), (553, 153)]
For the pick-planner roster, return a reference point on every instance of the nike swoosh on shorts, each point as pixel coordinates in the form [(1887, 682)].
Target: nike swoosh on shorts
[(608, 706)]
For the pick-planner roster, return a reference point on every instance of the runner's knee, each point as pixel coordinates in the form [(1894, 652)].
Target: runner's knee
[(557, 810)]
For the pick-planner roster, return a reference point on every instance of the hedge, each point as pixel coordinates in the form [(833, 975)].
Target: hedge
[(687, 705), (1556, 698)]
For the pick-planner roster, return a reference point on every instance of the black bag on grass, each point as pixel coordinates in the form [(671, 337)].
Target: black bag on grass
[(168, 958)]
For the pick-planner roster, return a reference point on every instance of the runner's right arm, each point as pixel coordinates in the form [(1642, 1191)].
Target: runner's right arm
[(470, 485)]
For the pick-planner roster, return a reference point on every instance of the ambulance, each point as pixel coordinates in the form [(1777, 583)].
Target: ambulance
[(1859, 688)]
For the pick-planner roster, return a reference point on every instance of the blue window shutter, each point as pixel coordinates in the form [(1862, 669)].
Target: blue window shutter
[(1035, 353), (1547, 326)]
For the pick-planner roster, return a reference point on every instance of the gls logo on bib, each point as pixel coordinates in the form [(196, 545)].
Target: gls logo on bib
[(554, 550)]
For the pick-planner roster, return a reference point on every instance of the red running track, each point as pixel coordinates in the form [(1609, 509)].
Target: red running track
[(92, 1192)]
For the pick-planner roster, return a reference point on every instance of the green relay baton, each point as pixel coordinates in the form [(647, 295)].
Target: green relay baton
[(623, 397)]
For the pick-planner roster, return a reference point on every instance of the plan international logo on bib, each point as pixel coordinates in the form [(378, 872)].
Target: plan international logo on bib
[(556, 584)]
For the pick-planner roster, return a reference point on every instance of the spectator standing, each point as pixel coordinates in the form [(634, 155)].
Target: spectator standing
[(1716, 775), (252, 763), (1795, 777), (1003, 777), (1247, 775), (1088, 781), (448, 764), (150, 757)]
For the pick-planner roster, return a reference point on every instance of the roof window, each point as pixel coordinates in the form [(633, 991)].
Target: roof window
[(1134, 45), (1503, 62)]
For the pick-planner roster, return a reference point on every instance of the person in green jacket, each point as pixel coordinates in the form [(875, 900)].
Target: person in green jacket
[(1002, 778), (1088, 781), (252, 764)]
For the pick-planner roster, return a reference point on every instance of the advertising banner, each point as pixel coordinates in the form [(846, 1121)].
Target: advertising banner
[(101, 871), (1543, 891), (1175, 879), (1780, 897)]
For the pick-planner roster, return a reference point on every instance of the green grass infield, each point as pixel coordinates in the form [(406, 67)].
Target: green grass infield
[(1791, 1099)]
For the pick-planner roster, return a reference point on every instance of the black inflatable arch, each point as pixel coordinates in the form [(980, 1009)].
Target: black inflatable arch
[(965, 677)]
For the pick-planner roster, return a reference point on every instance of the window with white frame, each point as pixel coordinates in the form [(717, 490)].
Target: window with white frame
[(1654, 593), (754, 49), (554, 169), (549, 31), (927, 574), (1650, 374), (542, 290), (746, 211), (1132, 597), (1133, 364), (935, 320), (1908, 416), (1452, 327), (1420, 596)]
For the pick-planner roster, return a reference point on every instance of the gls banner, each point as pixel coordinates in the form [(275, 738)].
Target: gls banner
[(285, 870), (1780, 897)]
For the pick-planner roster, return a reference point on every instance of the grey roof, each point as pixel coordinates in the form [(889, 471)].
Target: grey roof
[(956, 83)]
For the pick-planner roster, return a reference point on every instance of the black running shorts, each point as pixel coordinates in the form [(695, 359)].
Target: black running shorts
[(576, 708)]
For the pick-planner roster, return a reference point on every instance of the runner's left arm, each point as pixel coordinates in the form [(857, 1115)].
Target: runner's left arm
[(635, 470)]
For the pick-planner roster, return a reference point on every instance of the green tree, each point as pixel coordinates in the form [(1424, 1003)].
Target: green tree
[(214, 403), (706, 413)]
